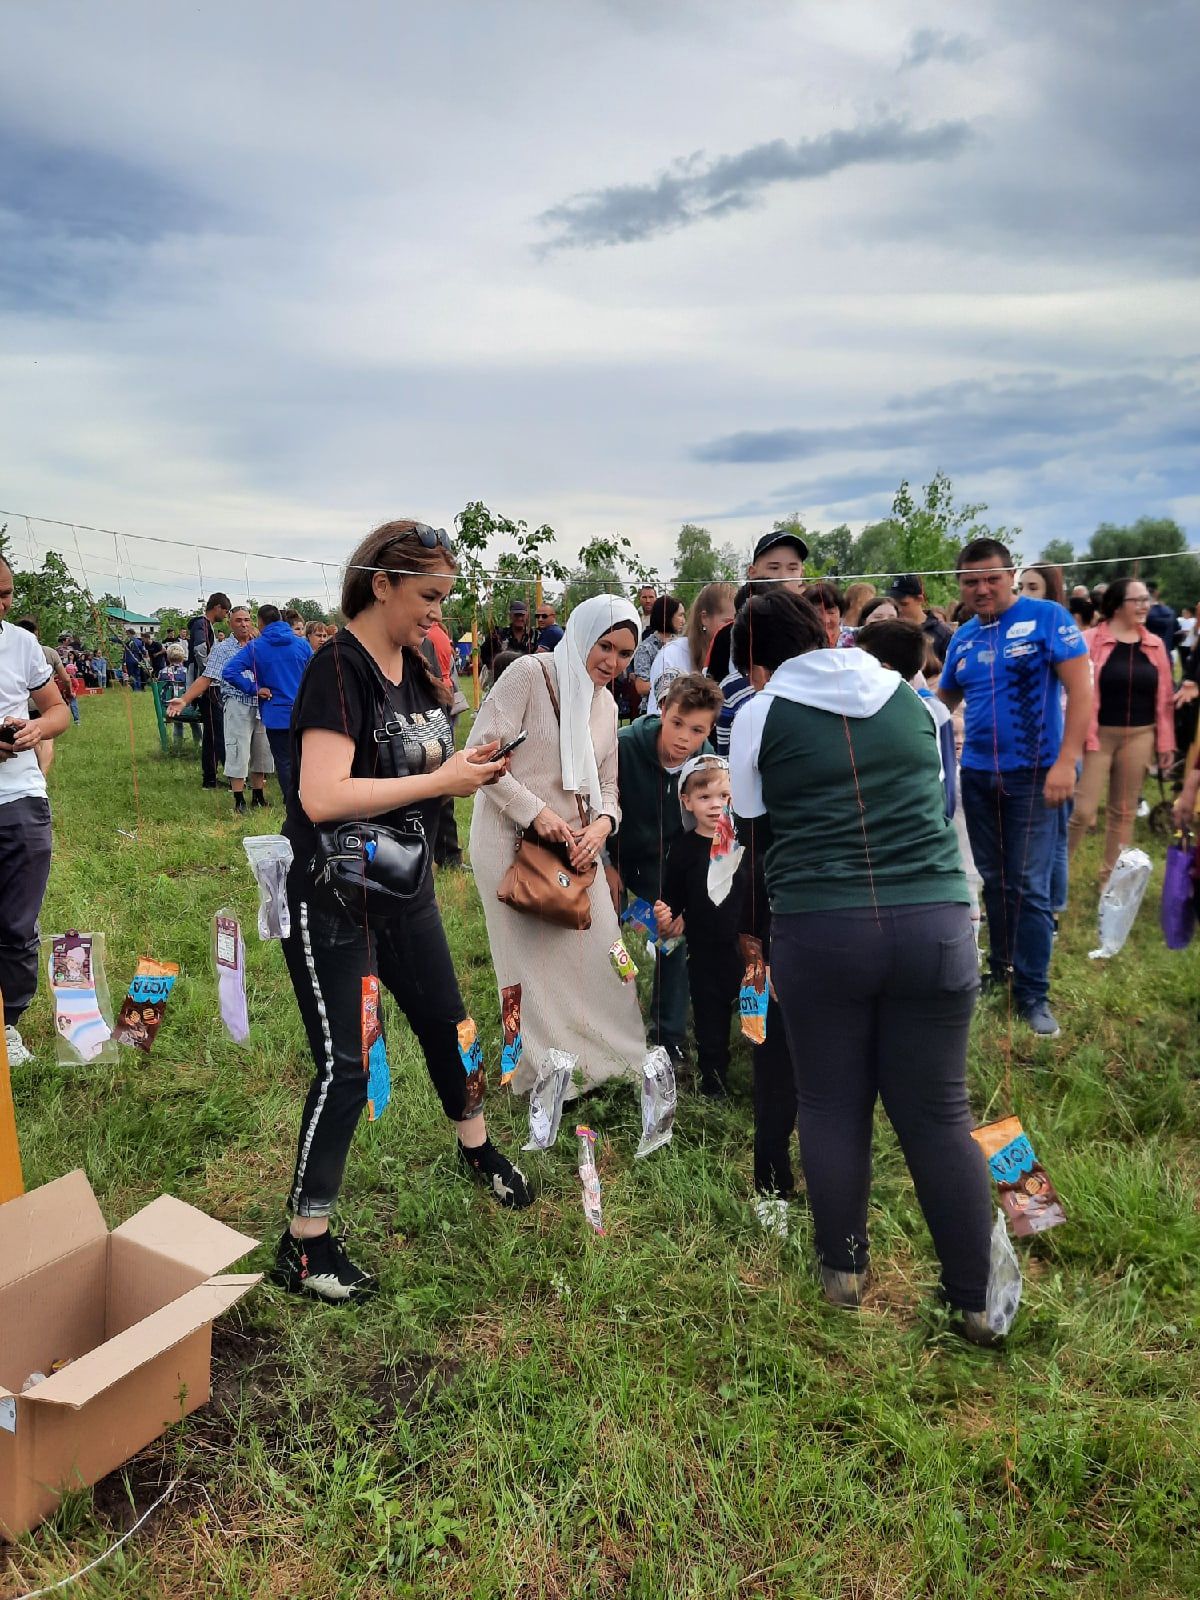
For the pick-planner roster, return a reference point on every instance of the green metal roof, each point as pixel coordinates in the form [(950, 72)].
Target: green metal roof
[(116, 613)]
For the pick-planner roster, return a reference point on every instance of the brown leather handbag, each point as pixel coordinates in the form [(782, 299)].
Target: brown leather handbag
[(541, 881)]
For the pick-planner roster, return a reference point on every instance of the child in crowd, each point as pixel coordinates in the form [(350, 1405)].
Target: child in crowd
[(714, 964), (651, 753), (173, 678)]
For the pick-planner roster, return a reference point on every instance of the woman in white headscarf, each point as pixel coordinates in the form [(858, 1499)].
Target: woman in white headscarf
[(571, 996)]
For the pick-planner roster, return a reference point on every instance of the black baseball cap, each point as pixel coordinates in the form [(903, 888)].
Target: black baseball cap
[(518, 608), (780, 536), (906, 587)]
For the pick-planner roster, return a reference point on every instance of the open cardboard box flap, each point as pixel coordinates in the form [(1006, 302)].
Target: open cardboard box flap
[(172, 1228), (90, 1374), (52, 1222)]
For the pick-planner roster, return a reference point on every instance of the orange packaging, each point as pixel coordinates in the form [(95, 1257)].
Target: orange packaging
[(1027, 1196)]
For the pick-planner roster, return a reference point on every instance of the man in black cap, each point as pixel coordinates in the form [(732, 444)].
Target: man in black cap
[(907, 594), (779, 559)]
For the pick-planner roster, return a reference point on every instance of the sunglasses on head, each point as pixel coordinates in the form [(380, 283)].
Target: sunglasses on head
[(429, 537)]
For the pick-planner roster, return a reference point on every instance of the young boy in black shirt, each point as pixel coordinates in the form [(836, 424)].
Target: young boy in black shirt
[(714, 963)]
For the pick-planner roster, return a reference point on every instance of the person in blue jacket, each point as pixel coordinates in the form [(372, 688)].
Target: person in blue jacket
[(274, 663)]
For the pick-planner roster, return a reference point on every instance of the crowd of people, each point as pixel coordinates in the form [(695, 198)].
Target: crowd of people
[(898, 774)]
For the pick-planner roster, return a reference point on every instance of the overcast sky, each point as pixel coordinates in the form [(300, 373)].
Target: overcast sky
[(272, 272)]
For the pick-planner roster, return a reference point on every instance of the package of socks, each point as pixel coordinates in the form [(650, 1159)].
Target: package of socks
[(79, 990), (724, 858), (229, 959), (1028, 1198), (638, 919), (658, 1101), (513, 1047), (106, 1337), (270, 856), (589, 1179), (470, 1053), (754, 997), (546, 1099), (141, 1013), (374, 1051)]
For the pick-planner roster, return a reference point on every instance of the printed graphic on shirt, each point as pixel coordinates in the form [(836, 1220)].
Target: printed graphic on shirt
[(1006, 672)]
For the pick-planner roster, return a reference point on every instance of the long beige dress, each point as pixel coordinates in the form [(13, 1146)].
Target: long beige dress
[(571, 996)]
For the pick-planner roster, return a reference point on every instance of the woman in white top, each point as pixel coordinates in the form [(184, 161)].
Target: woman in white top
[(711, 610)]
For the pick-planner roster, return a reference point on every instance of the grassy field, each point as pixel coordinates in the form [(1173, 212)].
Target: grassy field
[(671, 1410)]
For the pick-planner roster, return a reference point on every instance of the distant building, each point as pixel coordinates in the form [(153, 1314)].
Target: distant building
[(131, 619)]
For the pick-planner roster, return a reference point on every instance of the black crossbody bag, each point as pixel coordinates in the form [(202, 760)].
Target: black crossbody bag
[(367, 867)]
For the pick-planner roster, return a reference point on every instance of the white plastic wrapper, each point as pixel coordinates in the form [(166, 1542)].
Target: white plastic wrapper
[(270, 856), (658, 1101), (589, 1178), (1004, 1280), (1120, 901), (546, 1100)]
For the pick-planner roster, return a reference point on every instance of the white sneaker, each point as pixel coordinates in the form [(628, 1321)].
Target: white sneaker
[(1143, 809), (18, 1052), (772, 1214)]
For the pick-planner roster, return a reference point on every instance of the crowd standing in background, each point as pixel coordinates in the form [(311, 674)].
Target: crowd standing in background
[(908, 780)]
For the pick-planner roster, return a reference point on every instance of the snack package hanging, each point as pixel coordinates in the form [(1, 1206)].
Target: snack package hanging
[(513, 1047), (638, 917), (82, 1008), (374, 1051), (229, 958), (590, 1178), (1004, 1280), (470, 1053), (755, 995), (270, 856), (658, 1101), (141, 1013), (1178, 913), (1120, 901), (724, 858), (1027, 1196), (622, 961), (546, 1100)]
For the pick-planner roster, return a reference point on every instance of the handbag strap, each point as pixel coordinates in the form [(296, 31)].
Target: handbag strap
[(553, 693)]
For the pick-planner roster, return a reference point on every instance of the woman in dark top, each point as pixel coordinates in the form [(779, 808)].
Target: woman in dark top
[(1132, 713), (371, 740), (872, 955)]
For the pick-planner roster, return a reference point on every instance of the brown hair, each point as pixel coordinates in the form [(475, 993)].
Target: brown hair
[(1053, 579), (857, 596), (713, 597), (388, 548), (692, 691)]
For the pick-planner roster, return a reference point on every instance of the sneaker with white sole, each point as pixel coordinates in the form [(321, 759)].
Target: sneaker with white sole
[(772, 1213), (320, 1267), (1041, 1020), (19, 1052)]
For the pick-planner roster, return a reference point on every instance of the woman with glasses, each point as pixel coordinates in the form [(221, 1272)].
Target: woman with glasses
[(1132, 713), (371, 742)]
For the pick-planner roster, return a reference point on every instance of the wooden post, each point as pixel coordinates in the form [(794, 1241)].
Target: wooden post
[(11, 1181)]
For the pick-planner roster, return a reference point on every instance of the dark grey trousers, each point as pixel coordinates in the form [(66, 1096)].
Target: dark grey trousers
[(24, 873), (879, 1003)]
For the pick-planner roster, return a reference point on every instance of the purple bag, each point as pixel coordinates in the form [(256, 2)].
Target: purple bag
[(1178, 896)]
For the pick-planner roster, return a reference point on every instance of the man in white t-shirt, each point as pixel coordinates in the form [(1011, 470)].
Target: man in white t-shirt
[(25, 676)]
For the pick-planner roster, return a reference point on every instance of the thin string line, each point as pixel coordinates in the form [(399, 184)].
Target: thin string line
[(74, 1577)]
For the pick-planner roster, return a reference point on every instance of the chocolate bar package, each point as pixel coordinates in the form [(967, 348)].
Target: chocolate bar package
[(1029, 1199)]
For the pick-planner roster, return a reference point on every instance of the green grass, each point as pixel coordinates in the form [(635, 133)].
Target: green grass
[(528, 1410)]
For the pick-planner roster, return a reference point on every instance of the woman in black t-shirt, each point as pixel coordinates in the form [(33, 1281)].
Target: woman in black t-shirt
[(1132, 714), (369, 705)]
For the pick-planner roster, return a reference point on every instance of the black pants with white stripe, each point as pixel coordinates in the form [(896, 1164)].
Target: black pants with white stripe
[(328, 956)]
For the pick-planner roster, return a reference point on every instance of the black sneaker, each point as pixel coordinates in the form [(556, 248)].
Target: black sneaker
[(239, 804), (491, 1166), (320, 1267), (678, 1055), (258, 797), (996, 983)]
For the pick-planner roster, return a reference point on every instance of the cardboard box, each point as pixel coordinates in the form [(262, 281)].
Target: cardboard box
[(132, 1311)]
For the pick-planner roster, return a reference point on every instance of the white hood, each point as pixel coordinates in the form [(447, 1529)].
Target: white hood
[(848, 682)]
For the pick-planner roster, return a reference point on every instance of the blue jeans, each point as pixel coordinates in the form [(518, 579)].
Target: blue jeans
[(280, 741), (1014, 839)]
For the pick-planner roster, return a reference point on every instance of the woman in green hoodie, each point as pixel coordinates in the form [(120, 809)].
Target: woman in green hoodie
[(872, 955)]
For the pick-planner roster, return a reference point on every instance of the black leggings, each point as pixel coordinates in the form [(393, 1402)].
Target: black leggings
[(880, 1003), (328, 955)]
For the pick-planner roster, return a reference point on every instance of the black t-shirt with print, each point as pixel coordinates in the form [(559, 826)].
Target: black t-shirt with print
[(340, 692)]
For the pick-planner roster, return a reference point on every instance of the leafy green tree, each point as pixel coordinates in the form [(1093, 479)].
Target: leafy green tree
[(1121, 552), (54, 597), (1058, 553), (698, 561), (310, 610)]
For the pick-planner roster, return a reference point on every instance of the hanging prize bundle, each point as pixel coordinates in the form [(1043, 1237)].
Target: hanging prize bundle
[(658, 1101), (724, 858), (75, 967), (1121, 900), (755, 996), (374, 1051), (470, 1053), (590, 1179), (229, 958), (270, 856), (510, 1020), (638, 917), (1029, 1199), (546, 1099), (141, 1013)]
